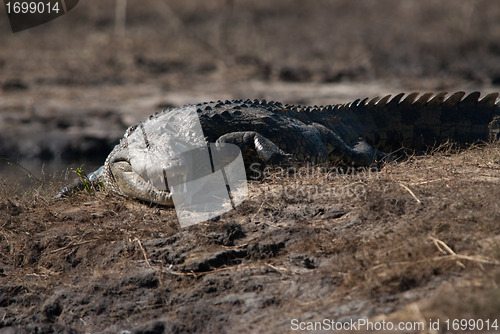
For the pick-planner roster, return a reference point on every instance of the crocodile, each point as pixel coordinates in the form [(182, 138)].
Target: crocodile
[(361, 133)]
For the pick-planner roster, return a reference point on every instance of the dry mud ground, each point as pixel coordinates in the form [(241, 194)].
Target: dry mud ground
[(415, 242)]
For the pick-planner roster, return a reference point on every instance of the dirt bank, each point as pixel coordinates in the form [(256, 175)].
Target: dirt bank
[(412, 242)]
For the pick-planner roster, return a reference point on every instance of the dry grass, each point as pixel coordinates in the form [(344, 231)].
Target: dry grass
[(390, 252), (422, 221)]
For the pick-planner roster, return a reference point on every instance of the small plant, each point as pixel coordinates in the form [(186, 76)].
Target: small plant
[(83, 178)]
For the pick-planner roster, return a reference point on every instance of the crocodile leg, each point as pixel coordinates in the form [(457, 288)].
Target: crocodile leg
[(358, 154), (365, 154), (255, 146)]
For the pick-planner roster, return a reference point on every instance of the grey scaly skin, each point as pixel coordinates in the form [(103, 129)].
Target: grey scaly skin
[(361, 133)]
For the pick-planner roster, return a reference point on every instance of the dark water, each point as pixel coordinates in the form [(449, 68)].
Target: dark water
[(23, 174)]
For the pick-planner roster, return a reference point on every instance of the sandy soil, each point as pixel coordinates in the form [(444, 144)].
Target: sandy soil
[(415, 242)]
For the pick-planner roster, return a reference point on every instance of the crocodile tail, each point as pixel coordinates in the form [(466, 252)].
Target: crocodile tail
[(420, 121)]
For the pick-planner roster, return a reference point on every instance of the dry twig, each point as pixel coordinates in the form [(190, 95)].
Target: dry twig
[(449, 254), (411, 193), (143, 252)]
